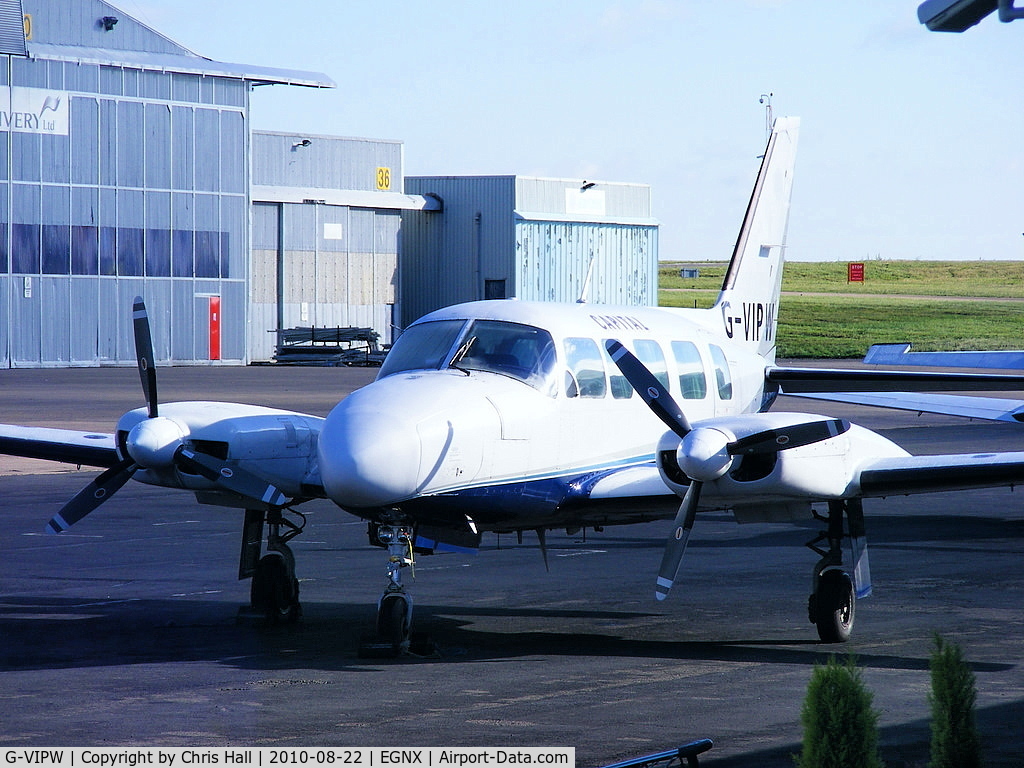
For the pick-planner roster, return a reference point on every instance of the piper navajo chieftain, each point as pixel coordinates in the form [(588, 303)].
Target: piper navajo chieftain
[(509, 416)]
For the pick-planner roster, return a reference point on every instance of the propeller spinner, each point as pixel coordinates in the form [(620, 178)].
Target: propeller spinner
[(705, 453), (159, 443)]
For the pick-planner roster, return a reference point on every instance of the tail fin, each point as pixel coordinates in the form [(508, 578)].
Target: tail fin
[(749, 301)]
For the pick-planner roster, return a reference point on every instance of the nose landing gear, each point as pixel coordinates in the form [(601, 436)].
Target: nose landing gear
[(394, 610), (394, 634)]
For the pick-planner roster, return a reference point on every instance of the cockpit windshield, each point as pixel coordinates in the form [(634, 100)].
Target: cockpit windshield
[(425, 346), (510, 349), (520, 351)]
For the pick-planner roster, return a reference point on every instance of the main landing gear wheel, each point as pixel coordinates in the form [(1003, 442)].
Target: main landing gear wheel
[(274, 593), (275, 590), (833, 606), (833, 603)]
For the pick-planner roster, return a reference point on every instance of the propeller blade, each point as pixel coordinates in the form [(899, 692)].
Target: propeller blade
[(90, 497), (144, 354), (230, 478), (676, 547), (783, 438), (652, 391)]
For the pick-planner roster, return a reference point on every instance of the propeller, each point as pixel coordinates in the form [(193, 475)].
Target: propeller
[(90, 497), (646, 384), (144, 354), (159, 443), (781, 439), (230, 478), (705, 453)]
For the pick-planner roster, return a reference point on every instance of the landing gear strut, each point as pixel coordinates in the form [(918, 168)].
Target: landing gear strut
[(275, 590), (394, 610), (394, 635), (833, 602)]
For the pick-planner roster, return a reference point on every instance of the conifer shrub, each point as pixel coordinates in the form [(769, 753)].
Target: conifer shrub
[(840, 726), (955, 742)]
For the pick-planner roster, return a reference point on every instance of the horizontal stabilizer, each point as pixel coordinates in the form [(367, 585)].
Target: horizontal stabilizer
[(900, 354), (802, 380)]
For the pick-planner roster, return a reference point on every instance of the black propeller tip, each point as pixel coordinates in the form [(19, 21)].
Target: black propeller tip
[(144, 354)]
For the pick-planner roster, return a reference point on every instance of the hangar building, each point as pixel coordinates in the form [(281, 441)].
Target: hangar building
[(325, 228), (504, 237), (124, 170), (128, 166)]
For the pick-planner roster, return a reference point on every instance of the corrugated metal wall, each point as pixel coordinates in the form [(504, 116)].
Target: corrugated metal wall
[(143, 191), (553, 259), (317, 264), (614, 200), (328, 162), (539, 236), (78, 23), (447, 257)]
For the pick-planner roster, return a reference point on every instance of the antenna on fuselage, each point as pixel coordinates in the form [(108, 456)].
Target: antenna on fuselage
[(585, 292)]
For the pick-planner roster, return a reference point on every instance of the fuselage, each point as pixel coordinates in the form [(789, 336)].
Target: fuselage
[(496, 411)]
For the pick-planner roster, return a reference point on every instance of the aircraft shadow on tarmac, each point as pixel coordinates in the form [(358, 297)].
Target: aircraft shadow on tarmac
[(60, 633), (57, 633)]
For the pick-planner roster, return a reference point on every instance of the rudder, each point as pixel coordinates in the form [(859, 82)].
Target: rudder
[(749, 300)]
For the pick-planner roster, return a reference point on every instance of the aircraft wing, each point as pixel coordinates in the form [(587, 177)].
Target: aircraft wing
[(926, 474), (630, 482), (91, 449), (991, 408), (622, 494)]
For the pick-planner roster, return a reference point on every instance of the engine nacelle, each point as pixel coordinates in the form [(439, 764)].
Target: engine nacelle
[(279, 446), (825, 469)]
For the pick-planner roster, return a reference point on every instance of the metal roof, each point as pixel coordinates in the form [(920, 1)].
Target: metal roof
[(167, 62), (353, 198)]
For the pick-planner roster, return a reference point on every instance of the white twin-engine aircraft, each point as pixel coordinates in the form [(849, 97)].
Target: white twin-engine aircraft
[(511, 416)]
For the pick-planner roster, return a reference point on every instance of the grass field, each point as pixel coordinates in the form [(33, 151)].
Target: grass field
[(923, 303)]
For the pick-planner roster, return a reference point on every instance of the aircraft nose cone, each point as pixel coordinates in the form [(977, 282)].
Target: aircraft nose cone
[(152, 442), (368, 457)]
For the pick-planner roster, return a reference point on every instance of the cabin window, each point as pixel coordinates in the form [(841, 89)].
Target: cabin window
[(617, 383), (649, 353), (422, 347), (520, 351), (584, 360), (693, 383), (723, 376)]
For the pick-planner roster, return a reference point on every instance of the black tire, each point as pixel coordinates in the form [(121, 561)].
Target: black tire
[(274, 592), (393, 620), (834, 607)]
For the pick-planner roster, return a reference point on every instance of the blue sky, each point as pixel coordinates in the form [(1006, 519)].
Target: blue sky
[(911, 143)]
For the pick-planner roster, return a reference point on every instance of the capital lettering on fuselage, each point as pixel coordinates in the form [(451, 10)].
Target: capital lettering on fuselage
[(618, 323), (756, 318)]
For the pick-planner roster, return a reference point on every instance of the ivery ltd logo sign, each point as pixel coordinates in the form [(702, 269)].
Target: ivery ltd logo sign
[(33, 110)]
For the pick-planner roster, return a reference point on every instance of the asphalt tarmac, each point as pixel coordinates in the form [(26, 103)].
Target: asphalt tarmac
[(123, 630)]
